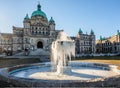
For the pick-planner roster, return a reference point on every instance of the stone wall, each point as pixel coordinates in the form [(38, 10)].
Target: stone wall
[(102, 82)]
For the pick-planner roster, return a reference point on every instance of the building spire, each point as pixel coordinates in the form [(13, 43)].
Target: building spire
[(80, 31), (39, 6), (38, 2)]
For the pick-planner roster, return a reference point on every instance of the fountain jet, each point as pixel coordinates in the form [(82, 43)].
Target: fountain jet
[(61, 52)]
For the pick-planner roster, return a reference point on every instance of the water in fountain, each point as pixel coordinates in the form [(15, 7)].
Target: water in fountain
[(61, 52)]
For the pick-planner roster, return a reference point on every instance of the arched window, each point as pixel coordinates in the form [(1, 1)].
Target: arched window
[(39, 32), (32, 28), (36, 28)]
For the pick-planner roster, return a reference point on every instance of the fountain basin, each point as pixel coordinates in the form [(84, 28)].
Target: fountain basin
[(39, 74)]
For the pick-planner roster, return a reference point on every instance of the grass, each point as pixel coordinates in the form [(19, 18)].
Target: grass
[(100, 58), (115, 60), (13, 62)]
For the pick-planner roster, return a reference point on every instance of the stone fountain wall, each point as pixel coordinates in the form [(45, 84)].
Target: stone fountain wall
[(102, 82)]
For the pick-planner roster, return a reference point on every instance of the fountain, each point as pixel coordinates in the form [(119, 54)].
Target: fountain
[(61, 51), (61, 71)]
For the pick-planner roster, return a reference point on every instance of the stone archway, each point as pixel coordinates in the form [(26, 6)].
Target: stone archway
[(40, 45)]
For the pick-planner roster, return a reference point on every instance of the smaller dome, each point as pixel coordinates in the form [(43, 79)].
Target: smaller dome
[(51, 20), (102, 38), (92, 32), (39, 12), (26, 17), (118, 32), (80, 31)]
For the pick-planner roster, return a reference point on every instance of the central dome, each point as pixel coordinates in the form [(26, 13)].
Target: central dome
[(39, 12)]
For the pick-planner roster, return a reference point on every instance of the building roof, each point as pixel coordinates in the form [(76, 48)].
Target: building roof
[(6, 35), (17, 28)]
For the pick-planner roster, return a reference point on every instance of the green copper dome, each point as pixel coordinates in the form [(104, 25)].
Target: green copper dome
[(26, 17), (51, 20), (92, 32), (118, 33), (39, 12), (80, 31), (102, 38)]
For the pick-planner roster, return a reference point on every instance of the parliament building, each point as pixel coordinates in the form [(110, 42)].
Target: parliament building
[(37, 33)]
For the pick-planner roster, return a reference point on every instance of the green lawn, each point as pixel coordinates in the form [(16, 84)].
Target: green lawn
[(13, 62), (115, 60)]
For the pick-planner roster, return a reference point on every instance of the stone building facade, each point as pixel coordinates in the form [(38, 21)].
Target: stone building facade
[(5, 42), (85, 43), (108, 45), (37, 33)]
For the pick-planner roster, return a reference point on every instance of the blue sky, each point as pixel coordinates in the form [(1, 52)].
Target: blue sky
[(103, 16)]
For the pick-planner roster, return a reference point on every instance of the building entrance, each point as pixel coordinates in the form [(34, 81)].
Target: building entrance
[(39, 45)]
